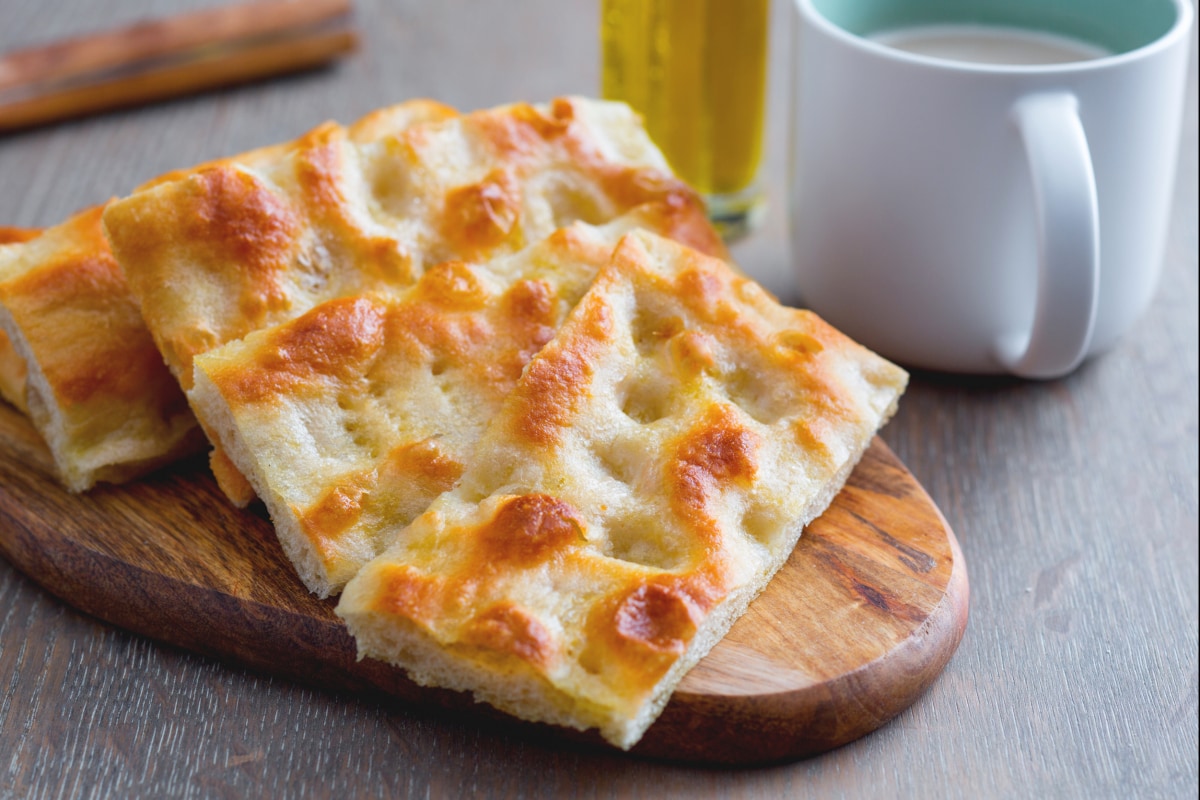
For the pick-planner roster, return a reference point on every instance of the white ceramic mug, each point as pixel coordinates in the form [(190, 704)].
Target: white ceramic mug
[(984, 218)]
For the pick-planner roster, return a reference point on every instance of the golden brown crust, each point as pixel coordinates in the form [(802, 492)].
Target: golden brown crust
[(237, 247), (98, 390), (350, 419), (480, 217), (649, 473), (12, 374), (89, 383), (556, 384), (229, 217), (511, 630), (12, 366), (719, 453), (525, 532), (10, 235), (232, 247)]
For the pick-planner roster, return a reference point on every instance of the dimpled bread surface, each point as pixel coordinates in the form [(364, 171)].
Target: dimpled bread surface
[(232, 225), (351, 419), (100, 394), (652, 469), (224, 251)]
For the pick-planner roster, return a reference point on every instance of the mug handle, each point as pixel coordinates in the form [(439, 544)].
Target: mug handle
[(1064, 188)]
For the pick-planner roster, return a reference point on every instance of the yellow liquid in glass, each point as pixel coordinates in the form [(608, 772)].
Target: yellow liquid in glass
[(696, 70)]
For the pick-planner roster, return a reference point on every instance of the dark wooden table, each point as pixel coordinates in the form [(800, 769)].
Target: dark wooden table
[(1075, 502)]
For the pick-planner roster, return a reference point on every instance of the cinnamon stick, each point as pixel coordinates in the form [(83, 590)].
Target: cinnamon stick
[(158, 59)]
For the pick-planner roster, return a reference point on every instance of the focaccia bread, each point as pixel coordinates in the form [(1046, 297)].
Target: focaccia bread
[(351, 419), (374, 126), (650, 472), (100, 394), (230, 249), (97, 390), (12, 366)]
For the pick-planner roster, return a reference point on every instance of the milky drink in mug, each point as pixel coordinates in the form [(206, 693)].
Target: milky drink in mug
[(989, 44), (984, 186)]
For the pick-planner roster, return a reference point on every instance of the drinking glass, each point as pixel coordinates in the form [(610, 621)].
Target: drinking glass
[(696, 70)]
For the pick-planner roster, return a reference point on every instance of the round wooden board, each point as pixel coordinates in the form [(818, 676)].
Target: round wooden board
[(861, 619)]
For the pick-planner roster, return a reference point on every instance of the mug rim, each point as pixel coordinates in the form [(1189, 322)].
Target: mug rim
[(1179, 28)]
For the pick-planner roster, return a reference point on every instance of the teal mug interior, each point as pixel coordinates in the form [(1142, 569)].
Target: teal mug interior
[(1118, 26)]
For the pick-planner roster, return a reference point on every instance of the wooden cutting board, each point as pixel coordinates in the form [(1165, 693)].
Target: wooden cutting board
[(857, 624)]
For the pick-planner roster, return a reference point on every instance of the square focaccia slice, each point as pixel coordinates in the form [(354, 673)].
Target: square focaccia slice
[(99, 392), (372, 127), (351, 419), (93, 382), (224, 251), (650, 472), (12, 366)]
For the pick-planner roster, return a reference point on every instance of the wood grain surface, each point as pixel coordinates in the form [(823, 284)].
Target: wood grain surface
[(1075, 503), (856, 625)]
